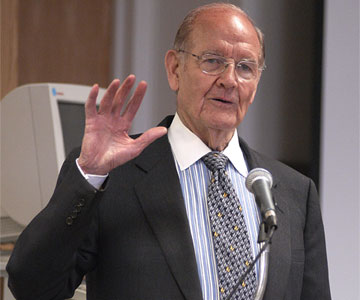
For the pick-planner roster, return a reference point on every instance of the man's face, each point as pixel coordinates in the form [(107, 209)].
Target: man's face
[(207, 102)]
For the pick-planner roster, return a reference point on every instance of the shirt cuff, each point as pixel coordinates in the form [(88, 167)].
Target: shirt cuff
[(95, 180)]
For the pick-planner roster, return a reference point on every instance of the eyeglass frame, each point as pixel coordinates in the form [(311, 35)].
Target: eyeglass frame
[(225, 64)]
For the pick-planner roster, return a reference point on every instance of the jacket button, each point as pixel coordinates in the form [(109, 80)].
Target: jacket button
[(69, 221), (81, 202), (73, 214)]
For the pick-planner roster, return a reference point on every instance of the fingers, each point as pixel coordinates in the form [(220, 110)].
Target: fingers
[(135, 101), (115, 97), (107, 100), (122, 94), (90, 105)]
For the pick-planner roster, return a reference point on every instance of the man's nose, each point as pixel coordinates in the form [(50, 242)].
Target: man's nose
[(228, 78)]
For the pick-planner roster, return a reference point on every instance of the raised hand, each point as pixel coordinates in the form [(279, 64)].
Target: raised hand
[(106, 143)]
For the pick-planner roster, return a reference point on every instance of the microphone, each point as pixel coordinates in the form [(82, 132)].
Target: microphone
[(259, 182)]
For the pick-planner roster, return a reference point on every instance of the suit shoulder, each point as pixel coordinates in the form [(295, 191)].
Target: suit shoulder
[(281, 171)]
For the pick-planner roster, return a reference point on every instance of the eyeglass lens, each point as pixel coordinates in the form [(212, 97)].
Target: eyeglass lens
[(214, 65)]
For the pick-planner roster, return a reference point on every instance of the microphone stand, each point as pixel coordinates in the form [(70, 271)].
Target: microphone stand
[(263, 273), (265, 235), (264, 239)]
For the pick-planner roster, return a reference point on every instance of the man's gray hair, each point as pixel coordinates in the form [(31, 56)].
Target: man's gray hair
[(187, 26)]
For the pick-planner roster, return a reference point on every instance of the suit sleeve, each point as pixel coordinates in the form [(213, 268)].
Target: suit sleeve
[(58, 247), (315, 279)]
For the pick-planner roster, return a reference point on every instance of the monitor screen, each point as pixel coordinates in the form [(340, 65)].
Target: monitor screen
[(72, 118)]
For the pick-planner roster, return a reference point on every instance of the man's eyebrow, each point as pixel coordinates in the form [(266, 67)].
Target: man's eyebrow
[(214, 52), (220, 53), (246, 59)]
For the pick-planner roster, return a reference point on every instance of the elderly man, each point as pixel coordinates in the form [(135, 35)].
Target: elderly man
[(135, 215)]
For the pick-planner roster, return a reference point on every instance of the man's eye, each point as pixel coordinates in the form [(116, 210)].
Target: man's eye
[(213, 61), (244, 67)]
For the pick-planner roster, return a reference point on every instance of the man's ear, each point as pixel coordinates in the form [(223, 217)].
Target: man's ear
[(172, 65), (255, 90)]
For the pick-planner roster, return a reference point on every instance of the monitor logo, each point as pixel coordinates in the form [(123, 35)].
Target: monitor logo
[(55, 93)]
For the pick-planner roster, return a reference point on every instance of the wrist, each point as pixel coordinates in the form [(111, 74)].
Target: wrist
[(86, 169), (95, 180)]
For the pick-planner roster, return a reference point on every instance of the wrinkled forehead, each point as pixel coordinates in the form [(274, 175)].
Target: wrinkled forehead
[(223, 26)]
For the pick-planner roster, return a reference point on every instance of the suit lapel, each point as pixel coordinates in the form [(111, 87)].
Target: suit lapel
[(280, 253), (161, 198)]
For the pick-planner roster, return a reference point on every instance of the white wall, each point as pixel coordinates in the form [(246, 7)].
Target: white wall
[(340, 151)]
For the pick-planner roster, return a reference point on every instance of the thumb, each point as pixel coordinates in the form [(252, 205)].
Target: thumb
[(150, 136)]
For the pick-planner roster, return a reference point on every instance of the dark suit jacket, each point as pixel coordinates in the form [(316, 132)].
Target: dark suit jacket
[(133, 239)]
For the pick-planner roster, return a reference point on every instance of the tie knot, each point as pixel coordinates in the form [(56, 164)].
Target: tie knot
[(215, 161)]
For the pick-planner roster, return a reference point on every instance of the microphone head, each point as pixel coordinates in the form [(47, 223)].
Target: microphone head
[(256, 174)]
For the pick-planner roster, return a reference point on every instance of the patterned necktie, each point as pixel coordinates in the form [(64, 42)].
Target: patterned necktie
[(230, 236)]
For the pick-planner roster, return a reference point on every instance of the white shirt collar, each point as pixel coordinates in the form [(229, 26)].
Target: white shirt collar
[(189, 148)]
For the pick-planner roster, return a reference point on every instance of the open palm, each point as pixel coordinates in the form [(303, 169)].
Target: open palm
[(106, 143)]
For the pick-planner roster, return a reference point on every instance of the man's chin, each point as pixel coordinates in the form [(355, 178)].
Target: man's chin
[(224, 123)]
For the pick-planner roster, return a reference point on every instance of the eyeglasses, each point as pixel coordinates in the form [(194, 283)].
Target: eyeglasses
[(213, 64)]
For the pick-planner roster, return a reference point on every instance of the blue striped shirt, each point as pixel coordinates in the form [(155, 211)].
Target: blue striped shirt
[(194, 178)]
